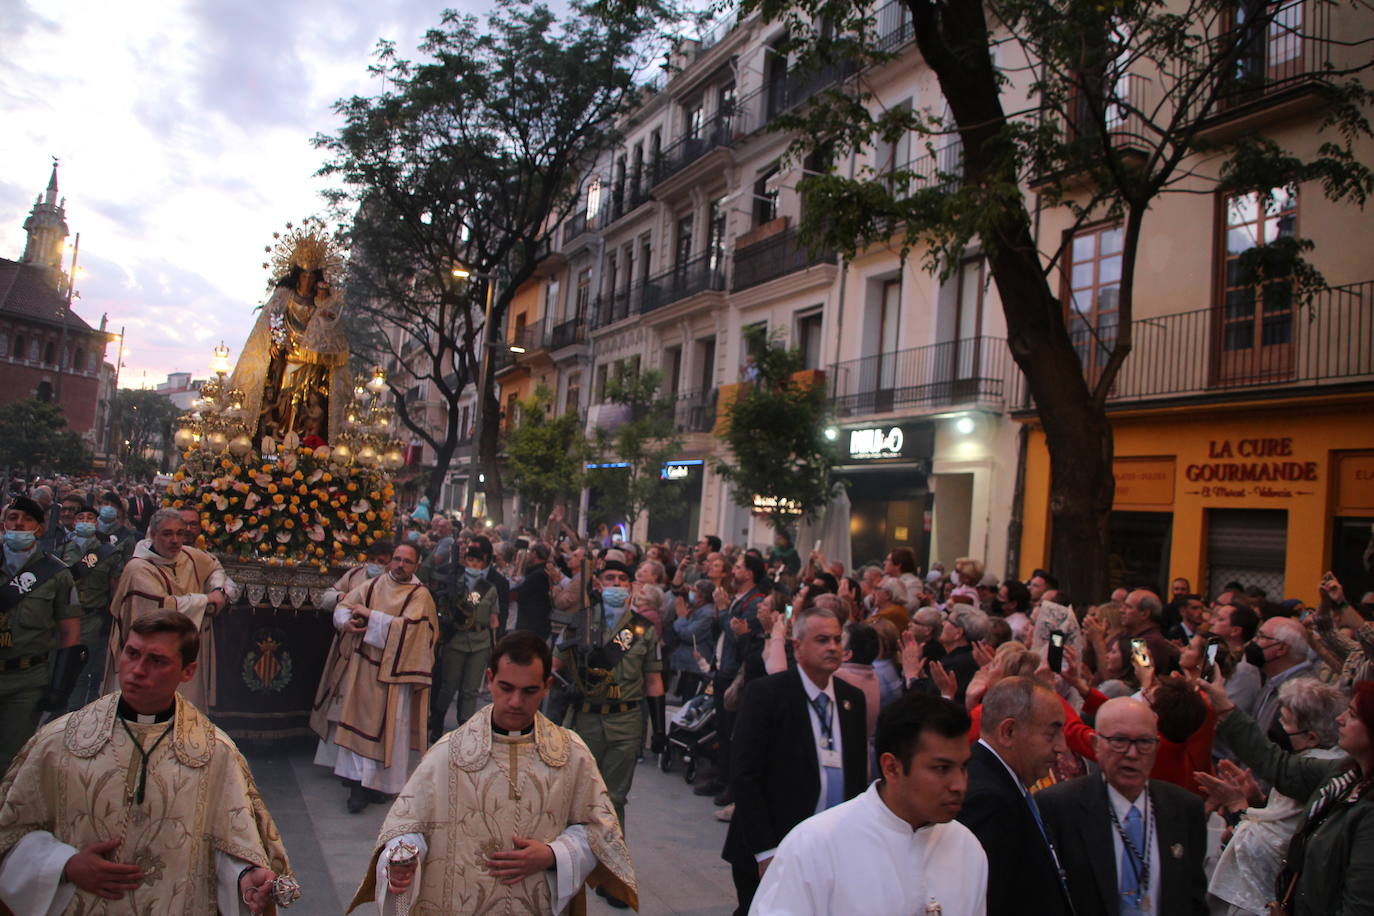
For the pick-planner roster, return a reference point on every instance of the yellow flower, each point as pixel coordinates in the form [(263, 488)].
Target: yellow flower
[(302, 489), (278, 499), (289, 523), (327, 477), (264, 547), (281, 549), (298, 476)]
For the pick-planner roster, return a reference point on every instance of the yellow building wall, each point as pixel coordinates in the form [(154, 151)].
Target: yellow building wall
[(1170, 462)]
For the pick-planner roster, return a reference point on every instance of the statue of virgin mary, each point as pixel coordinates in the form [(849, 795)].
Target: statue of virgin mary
[(293, 370)]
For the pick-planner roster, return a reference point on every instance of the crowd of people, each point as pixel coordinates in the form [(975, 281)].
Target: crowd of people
[(881, 739)]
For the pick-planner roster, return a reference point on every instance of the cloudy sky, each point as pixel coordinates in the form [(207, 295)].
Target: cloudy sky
[(183, 129)]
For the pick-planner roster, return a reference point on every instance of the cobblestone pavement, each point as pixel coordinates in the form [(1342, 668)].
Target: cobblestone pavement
[(673, 838)]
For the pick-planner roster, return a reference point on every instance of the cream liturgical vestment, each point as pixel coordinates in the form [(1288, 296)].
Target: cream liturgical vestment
[(471, 794), (372, 705), (182, 583), (199, 824), (859, 857)]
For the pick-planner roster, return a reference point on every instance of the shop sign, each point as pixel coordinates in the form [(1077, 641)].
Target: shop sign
[(876, 443), (1355, 484), (1267, 463), (1144, 481), (775, 505), (675, 472)]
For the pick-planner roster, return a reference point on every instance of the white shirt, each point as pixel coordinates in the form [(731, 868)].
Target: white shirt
[(859, 857), (1121, 806), (812, 691)]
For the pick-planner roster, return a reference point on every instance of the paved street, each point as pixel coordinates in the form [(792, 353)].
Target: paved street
[(673, 838)]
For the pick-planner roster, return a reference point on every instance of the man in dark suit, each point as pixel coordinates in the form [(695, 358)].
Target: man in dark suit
[(1129, 845), (800, 748), (1022, 733)]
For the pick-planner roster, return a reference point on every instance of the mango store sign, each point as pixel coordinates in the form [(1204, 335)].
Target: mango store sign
[(1263, 467), (876, 442)]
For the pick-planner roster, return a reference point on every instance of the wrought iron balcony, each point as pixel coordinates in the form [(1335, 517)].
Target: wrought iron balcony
[(775, 256), (695, 411), (615, 306), (1254, 346), (567, 333), (1294, 48), (697, 275), (958, 373), (715, 133)]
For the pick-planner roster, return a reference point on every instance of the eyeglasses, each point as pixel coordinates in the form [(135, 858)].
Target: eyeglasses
[(1121, 744)]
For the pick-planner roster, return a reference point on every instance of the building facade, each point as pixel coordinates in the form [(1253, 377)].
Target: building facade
[(47, 351)]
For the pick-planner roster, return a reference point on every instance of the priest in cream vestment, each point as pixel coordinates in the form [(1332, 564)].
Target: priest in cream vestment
[(164, 573), (506, 814), (136, 803), (372, 705)]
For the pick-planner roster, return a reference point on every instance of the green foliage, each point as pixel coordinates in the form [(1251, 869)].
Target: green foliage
[(547, 454), (470, 155), (144, 419), (34, 439), (644, 442), (775, 434)]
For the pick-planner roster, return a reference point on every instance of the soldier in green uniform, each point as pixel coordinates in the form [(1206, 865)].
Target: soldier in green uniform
[(469, 614), (95, 565), (113, 526), (37, 612), (619, 669)]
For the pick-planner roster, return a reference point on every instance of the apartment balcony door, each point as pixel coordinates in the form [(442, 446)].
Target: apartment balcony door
[(965, 358), (1254, 326)]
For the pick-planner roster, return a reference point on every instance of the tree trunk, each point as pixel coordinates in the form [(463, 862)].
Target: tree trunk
[(489, 450)]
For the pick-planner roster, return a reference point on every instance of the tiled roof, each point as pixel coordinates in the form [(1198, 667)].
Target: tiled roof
[(25, 291)]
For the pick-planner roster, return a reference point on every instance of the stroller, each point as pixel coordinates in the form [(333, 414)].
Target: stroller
[(691, 735)]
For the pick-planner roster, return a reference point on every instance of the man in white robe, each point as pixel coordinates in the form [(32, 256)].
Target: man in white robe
[(136, 803), (378, 557), (165, 573), (895, 850), (372, 704), (506, 814)]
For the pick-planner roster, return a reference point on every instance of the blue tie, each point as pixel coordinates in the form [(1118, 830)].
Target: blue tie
[(833, 776), (1130, 868)]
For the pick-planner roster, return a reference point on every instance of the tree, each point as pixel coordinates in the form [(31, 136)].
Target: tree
[(776, 439), (468, 160), (144, 420), (642, 443), (34, 439), (1093, 145), (546, 454)]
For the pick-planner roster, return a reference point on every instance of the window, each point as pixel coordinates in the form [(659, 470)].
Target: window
[(1255, 320), (684, 241), (672, 370), (593, 199), (726, 102), (551, 297), (765, 198), (809, 339), (706, 362), (889, 315), (611, 274), (646, 257), (572, 400), (694, 121), (636, 169), (44, 392), (80, 363), (50, 354), (4, 345), (602, 374), (715, 240), (584, 291), (1094, 271), (888, 156), (968, 319)]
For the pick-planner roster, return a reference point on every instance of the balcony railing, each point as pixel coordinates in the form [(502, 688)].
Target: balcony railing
[(1295, 47), (627, 197), (970, 372), (695, 411), (715, 133), (943, 171), (893, 25), (695, 276), (775, 256), (1256, 345), (567, 333), (612, 307)]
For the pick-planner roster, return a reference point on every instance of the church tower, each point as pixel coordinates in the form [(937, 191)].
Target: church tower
[(47, 231)]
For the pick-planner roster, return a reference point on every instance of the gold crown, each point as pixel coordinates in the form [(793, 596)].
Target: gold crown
[(309, 246)]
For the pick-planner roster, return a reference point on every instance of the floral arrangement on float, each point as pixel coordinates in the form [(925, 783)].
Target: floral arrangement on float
[(296, 504)]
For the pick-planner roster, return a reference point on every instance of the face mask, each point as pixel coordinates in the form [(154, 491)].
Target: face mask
[(613, 597), (108, 513), (85, 529), (20, 540), (374, 570), (1254, 654), (413, 537)]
